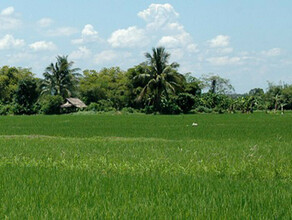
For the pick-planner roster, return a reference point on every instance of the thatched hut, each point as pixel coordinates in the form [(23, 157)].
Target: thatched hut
[(74, 103)]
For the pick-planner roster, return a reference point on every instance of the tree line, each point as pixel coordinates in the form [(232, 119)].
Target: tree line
[(152, 86)]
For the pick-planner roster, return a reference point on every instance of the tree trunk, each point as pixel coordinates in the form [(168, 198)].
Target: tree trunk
[(157, 101), (276, 106)]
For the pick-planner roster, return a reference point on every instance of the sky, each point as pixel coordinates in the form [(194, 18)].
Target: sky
[(246, 41)]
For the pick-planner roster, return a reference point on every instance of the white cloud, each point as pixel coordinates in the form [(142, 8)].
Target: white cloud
[(109, 56), (157, 15), (130, 37), (7, 23), (105, 56), (179, 40), (192, 48), (224, 60), (63, 31), (81, 53), (43, 46), (177, 53), (8, 20), (164, 29), (8, 42), (272, 52), (174, 27), (169, 41), (19, 57), (226, 50), (180, 44), (287, 62), (220, 41), (88, 30), (7, 11), (88, 35), (45, 22)]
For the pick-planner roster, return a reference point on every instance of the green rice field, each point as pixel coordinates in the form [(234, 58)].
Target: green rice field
[(230, 166)]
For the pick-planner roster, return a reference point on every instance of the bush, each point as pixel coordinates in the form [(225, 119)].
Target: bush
[(203, 109), (51, 104), (19, 109), (149, 109), (185, 101), (93, 106), (169, 107), (6, 109), (128, 110), (193, 111), (219, 110), (198, 102), (101, 105)]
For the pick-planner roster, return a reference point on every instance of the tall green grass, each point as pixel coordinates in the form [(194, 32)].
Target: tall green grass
[(143, 166)]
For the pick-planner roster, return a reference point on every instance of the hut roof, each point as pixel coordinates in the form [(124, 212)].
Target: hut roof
[(73, 102)]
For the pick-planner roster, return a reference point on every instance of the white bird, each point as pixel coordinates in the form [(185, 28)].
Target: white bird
[(194, 124)]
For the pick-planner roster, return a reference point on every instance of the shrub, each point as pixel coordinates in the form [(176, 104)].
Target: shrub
[(101, 105), (193, 111), (185, 101), (128, 110), (6, 109), (51, 104), (203, 109), (219, 109), (19, 109), (93, 106), (149, 109), (169, 107)]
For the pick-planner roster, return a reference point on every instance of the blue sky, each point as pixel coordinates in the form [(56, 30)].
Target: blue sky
[(247, 41)]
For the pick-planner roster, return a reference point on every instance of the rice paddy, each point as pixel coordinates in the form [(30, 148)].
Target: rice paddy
[(146, 166)]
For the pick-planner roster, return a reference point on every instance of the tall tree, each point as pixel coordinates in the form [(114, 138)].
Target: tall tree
[(107, 84), (60, 78), (256, 92), (193, 85), (26, 96), (161, 78), (9, 78), (217, 84)]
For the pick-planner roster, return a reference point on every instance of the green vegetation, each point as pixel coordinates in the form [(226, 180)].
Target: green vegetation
[(60, 78), (126, 164), (154, 86), (230, 166), (159, 78)]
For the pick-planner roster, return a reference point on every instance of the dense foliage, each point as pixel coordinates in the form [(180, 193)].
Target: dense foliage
[(152, 86), (60, 78)]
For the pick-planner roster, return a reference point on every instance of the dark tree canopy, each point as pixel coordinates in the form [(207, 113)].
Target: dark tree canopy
[(26, 95)]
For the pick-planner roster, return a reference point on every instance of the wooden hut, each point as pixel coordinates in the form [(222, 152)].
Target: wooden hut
[(73, 103)]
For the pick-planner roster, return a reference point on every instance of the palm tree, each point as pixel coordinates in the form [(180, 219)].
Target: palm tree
[(60, 78), (160, 77)]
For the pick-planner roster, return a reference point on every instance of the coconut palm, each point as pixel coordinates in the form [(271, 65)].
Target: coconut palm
[(160, 77), (60, 78)]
